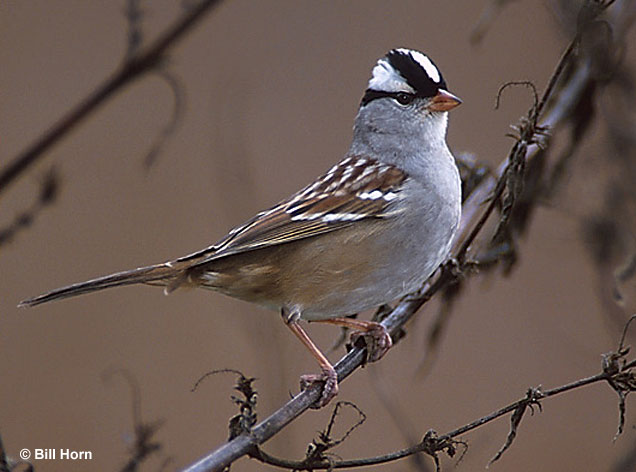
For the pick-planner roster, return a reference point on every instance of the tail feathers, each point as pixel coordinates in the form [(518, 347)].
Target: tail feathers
[(160, 274)]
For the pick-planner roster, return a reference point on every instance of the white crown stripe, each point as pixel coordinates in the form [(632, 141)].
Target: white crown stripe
[(386, 78), (425, 62)]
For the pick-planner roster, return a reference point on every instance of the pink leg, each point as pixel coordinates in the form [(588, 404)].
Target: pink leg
[(329, 376)]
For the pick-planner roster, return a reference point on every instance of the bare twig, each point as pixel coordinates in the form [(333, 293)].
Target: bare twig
[(48, 192), (316, 451), (144, 444), (134, 15), (532, 399), (521, 151), (487, 18), (246, 418), (170, 128), (132, 68), (4, 466)]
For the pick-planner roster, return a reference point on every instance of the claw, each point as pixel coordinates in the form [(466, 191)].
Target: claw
[(329, 390), (377, 340)]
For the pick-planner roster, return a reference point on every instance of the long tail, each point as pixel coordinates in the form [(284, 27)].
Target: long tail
[(159, 274)]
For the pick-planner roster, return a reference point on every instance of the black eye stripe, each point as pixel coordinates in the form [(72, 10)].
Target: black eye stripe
[(370, 95)]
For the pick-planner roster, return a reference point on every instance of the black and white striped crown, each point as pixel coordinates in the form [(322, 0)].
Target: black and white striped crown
[(405, 70)]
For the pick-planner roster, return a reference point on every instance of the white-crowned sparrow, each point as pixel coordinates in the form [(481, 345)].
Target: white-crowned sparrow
[(370, 230)]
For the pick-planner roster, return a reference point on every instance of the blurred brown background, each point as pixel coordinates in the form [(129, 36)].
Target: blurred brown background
[(272, 88)]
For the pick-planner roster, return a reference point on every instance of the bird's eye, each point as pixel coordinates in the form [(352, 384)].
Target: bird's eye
[(404, 98)]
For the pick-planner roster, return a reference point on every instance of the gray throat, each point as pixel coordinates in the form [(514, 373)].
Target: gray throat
[(416, 145)]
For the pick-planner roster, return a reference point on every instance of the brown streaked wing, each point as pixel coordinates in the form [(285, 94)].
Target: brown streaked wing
[(304, 214)]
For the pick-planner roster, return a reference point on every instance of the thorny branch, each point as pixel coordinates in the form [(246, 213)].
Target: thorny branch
[(317, 449), (246, 418), (598, 45), (572, 82), (617, 371)]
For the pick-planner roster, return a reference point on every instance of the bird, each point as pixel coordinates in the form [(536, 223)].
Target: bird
[(370, 230)]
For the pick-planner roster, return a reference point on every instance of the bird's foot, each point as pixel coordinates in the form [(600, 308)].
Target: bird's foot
[(376, 339), (330, 388)]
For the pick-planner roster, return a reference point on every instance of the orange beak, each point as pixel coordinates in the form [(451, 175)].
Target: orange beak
[(443, 101)]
